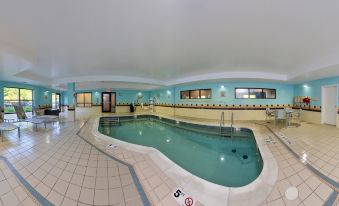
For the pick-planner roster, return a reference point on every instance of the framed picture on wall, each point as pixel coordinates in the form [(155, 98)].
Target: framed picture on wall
[(222, 93)]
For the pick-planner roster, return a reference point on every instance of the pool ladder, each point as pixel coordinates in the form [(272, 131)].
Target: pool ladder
[(113, 121), (226, 132)]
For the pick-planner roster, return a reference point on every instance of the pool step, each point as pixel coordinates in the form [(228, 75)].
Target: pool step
[(226, 131), (110, 122)]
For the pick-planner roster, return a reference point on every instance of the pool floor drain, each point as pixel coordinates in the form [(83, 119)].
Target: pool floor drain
[(291, 193), (245, 157)]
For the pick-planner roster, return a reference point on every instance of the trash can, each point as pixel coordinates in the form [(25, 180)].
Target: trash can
[(131, 108)]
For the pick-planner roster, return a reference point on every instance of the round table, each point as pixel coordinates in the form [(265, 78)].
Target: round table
[(4, 126)]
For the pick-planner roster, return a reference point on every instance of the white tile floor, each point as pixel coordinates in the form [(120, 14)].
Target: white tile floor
[(319, 144), (12, 192), (66, 170)]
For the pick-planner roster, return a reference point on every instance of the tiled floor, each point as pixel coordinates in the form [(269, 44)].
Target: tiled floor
[(293, 173), (67, 170), (319, 144), (12, 192)]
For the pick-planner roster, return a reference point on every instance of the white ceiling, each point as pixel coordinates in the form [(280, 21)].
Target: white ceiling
[(166, 42)]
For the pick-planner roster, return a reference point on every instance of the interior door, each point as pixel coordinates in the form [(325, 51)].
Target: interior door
[(113, 102), (108, 101), (56, 101), (329, 105)]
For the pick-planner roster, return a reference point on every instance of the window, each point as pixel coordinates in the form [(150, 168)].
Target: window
[(184, 94), (20, 96), (196, 94), (205, 93), (269, 93), (84, 99), (255, 93)]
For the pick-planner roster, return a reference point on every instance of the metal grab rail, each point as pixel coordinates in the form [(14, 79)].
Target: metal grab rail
[(232, 120), (232, 123), (222, 122)]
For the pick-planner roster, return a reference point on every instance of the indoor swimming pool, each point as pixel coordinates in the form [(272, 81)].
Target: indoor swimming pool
[(231, 159)]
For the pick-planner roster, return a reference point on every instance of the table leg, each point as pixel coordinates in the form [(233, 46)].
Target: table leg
[(19, 132)]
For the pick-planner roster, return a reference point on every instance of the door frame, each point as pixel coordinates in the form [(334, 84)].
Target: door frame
[(110, 103), (57, 94), (323, 103)]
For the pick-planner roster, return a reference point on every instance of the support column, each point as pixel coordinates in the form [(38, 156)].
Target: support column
[(71, 100)]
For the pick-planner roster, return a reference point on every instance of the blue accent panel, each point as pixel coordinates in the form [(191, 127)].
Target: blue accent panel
[(70, 93), (313, 88), (171, 95), (330, 201), (36, 194)]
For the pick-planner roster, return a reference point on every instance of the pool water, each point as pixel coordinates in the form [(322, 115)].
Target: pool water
[(231, 162)]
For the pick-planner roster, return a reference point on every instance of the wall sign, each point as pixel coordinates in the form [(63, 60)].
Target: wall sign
[(182, 198), (222, 93)]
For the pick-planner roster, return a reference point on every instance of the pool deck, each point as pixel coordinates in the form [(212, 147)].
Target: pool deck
[(67, 165)]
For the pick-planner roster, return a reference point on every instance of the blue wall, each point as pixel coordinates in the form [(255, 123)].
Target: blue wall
[(123, 96), (38, 93), (285, 93), (313, 89), (171, 95)]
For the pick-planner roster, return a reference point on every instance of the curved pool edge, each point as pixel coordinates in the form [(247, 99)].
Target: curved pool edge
[(252, 194)]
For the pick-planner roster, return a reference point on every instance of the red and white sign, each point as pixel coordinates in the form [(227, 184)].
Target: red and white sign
[(182, 198)]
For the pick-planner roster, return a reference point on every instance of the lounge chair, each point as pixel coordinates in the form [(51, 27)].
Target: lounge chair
[(47, 118), (22, 117), (4, 126)]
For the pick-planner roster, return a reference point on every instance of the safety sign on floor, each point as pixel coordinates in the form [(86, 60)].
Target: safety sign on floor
[(182, 198)]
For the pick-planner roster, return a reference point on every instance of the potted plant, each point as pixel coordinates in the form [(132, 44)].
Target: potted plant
[(307, 101)]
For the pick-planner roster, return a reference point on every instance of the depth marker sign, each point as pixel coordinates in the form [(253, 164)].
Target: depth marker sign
[(182, 198)]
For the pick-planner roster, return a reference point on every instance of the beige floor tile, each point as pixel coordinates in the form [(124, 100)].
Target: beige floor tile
[(116, 196), (278, 202), (313, 200), (68, 202), (55, 198), (73, 192), (43, 189), (61, 186), (323, 191), (313, 182), (86, 196), (9, 199), (101, 197)]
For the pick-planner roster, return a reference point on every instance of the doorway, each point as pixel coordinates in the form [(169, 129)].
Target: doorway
[(56, 101), (329, 102), (108, 100)]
